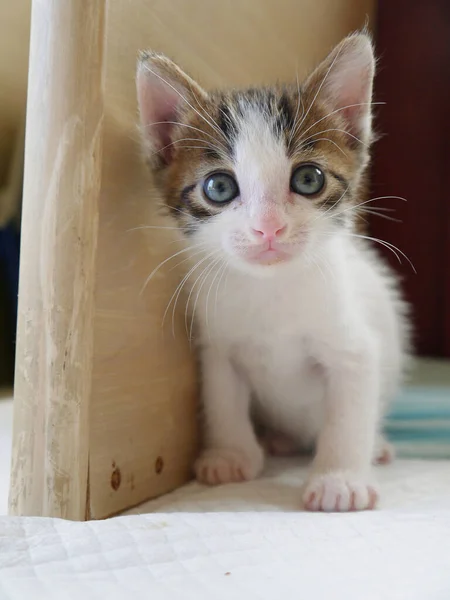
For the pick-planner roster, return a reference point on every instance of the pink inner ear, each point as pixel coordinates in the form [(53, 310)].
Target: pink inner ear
[(353, 116), (158, 104), (349, 85), (356, 92)]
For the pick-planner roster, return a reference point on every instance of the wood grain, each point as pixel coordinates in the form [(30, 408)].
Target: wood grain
[(144, 395), (59, 233)]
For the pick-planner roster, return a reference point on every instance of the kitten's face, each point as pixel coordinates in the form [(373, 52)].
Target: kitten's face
[(260, 177)]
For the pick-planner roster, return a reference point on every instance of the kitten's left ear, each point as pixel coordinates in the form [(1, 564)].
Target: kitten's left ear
[(163, 92), (344, 80)]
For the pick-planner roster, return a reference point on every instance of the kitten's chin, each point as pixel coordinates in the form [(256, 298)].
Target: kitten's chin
[(264, 263)]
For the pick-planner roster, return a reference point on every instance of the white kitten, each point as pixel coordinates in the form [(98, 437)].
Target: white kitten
[(300, 325)]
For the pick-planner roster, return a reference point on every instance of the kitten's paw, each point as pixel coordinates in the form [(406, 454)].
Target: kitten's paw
[(228, 465), (384, 452), (339, 492)]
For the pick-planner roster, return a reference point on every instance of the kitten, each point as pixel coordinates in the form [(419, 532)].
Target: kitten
[(308, 333)]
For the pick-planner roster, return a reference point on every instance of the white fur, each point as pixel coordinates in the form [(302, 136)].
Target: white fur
[(316, 344)]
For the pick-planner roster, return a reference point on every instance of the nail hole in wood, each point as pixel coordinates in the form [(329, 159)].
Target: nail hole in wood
[(116, 478), (159, 465)]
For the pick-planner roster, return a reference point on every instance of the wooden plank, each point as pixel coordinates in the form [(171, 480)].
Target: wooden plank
[(59, 237), (143, 436)]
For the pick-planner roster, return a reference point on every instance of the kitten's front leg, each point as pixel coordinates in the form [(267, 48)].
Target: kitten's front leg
[(340, 479), (231, 452)]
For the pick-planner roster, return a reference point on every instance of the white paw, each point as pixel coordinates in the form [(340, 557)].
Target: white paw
[(228, 465), (339, 492)]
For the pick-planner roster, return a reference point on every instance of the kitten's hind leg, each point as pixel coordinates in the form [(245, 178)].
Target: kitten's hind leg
[(231, 452), (384, 451), (280, 444)]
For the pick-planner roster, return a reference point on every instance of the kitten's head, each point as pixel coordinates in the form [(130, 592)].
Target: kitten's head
[(266, 175)]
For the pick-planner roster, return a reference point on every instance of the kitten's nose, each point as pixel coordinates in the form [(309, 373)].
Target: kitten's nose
[(269, 229)]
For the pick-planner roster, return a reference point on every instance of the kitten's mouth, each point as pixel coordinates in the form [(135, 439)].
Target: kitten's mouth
[(269, 255)]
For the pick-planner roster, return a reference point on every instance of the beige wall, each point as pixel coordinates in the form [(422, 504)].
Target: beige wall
[(227, 42), (14, 44)]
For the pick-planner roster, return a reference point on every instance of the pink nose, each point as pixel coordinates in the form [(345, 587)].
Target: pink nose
[(269, 230)]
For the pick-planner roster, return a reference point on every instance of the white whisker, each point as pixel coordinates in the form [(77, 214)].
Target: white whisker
[(212, 254), (219, 270), (317, 92), (183, 212), (303, 141), (316, 263), (396, 251), (161, 264), (187, 126), (379, 208), (384, 198), (324, 140), (209, 145), (150, 227), (206, 273), (227, 263), (299, 101), (186, 259), (376, 213), (322, 215), (353, 207), (339, 109), (178, 291), (216, 125), (327, 265), (186, 147)]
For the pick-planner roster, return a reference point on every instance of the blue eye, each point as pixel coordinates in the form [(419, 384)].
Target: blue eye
[(307, 180), (220, 188)]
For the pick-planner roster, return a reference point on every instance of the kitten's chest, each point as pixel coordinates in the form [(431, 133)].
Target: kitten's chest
[(278, 330), (263, 313), (268, 330)]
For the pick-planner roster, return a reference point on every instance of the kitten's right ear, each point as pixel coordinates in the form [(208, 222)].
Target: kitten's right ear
[(163, 91)]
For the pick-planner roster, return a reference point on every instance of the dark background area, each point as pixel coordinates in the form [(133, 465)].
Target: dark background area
[(9, 275), (412, 158)]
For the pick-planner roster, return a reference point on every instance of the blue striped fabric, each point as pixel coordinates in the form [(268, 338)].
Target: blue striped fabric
[(419, 422)]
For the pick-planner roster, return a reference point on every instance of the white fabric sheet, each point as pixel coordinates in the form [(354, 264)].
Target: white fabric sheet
[(252, 542)]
